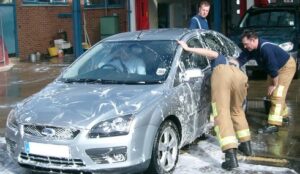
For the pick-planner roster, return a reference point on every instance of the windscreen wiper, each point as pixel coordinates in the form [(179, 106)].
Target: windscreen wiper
[(82, 80), (105, 81), (130, 82)]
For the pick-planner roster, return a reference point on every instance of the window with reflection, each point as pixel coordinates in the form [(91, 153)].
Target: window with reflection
[(44, 2), (6, 1), (104, 3), (269, 18)]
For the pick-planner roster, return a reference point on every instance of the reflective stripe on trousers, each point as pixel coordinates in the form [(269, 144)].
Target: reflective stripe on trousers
[(278, 108)]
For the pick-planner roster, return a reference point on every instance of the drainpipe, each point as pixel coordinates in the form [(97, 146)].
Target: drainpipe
[(129, 15), (217, 15), (77, 28)]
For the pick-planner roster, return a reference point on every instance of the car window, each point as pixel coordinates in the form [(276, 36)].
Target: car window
[(126, 61), (192, 60), (180, 69), (269, 18), (214, 42), (230, 49), (221, 44)]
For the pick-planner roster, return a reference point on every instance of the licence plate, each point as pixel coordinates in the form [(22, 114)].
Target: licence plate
[(52, 150)]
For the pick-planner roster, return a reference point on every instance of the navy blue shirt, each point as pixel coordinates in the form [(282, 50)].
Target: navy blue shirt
[(267, 55), (220, 60), (198, 22)]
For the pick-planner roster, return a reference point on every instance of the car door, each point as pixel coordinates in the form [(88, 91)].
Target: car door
[(197, 89), (201, 86)]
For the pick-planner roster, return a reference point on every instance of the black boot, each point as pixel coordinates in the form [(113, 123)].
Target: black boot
[(230, 160), (268, 129), (286, 120), (245, 148)]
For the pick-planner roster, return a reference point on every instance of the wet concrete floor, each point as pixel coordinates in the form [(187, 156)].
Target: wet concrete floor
[(286, 143), (26, 78)]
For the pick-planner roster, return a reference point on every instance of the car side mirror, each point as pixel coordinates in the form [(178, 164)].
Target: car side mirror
[(191, 73)]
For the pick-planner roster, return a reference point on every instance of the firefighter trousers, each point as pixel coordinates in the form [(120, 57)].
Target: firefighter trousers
[(229, 89), (278, 109)]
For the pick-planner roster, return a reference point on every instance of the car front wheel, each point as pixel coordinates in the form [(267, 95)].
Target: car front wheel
[(165, 150)]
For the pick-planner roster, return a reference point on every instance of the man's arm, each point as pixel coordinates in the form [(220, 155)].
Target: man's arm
[(273, 85), (201, 51), (243, 58)]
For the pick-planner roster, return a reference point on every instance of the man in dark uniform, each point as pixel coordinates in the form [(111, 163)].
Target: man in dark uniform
[(280, 68), (199, 21), (228, 89)]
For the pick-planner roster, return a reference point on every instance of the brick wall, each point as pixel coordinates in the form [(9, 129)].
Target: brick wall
[(38, 25), (93, 21)]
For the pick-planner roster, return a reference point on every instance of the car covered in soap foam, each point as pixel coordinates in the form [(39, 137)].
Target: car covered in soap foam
[(107, 113)]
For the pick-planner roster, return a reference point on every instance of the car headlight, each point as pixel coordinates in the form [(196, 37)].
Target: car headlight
[(113, 127), (12, 120), (287, 46)]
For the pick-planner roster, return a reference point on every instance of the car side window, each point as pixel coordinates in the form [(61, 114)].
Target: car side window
[(214, 43), (281, 18), (192, 60), (260, 19), (269, 18), (229, 47), (177, 75)]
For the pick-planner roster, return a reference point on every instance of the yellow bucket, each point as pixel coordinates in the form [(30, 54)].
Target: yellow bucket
[(85, 45), (53, 51)]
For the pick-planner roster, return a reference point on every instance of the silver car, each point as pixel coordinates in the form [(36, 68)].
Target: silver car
[(127, 105)]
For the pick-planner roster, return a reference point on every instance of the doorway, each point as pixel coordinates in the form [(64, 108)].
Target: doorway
[(8, 27), (163, 15)]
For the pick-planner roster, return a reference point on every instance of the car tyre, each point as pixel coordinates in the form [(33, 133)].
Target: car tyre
[(165, 149)]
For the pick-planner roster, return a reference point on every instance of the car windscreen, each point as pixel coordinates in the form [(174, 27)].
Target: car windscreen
[(126, 62), (268, 18)]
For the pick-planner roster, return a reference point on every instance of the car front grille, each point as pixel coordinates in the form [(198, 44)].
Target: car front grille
[(58, 132), (60, 162)]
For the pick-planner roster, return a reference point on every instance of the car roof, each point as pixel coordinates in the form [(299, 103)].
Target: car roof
[(151, 34), (277, 7)]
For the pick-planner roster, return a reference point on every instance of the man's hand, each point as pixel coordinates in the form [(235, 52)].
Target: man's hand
[(271, 90), (183, 44), (272, 86), (234, 62)]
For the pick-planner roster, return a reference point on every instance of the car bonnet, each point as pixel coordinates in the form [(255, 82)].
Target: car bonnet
[(81, 104)]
